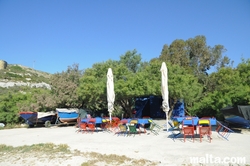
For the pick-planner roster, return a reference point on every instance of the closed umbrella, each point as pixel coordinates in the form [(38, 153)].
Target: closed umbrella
[(110, 92), (164, 89)]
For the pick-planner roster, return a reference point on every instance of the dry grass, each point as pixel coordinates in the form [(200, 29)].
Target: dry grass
[(51, 153)]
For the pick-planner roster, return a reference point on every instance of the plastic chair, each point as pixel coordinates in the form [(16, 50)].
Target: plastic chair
[(204, 129), (174, 129), (105, 125), (154, 127), (132, 129), (114, 125), (142, 125), (188, 128), (91, 127), (122, 130), (223, 131), (83, 127), (134, 121)]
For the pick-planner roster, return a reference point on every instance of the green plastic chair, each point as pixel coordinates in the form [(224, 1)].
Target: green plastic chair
[(132, 129)]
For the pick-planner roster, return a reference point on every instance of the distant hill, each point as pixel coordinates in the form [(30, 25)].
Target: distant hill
[(18, 75)]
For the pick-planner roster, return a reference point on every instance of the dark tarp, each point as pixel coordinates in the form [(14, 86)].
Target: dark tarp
[(239, 115), (151, 107), (142, 107), (240, 110), (245, 111), (83, 113), (178, 109)]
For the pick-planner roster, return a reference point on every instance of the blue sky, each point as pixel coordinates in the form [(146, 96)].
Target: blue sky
[(51, 35)]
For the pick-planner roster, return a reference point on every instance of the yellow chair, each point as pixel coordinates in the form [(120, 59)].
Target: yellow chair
[(122, 129), (133, 121)]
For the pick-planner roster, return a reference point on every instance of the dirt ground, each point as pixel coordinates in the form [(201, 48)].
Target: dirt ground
[(161, 149)]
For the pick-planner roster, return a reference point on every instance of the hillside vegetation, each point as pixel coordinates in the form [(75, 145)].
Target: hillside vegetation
[(26, 89), (20, 73)]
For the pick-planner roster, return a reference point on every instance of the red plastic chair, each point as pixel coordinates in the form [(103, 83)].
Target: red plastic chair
[(188, 128), (91, 127), (91, 124), (205, 129), (83, 127), (105, 125), (115, 125)]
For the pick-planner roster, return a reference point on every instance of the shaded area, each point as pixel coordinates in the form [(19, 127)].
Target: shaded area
[(238, 116), (151, 107)]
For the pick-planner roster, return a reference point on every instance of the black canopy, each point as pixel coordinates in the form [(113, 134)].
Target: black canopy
[(240, 110)]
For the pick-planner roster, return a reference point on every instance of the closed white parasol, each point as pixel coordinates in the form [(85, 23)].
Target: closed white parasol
[(110, 93), (164, 89)]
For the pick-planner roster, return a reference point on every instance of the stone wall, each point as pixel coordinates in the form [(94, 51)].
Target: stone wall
[(3, 64)]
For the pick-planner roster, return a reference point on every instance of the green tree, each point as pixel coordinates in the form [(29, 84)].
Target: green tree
[(132, 60), (64, 88), (129, 83), (229, 87), (9, 106), (196, 56), (92, 86)]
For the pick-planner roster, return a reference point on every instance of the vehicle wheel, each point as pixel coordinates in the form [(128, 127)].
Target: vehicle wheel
[(47, 124)]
